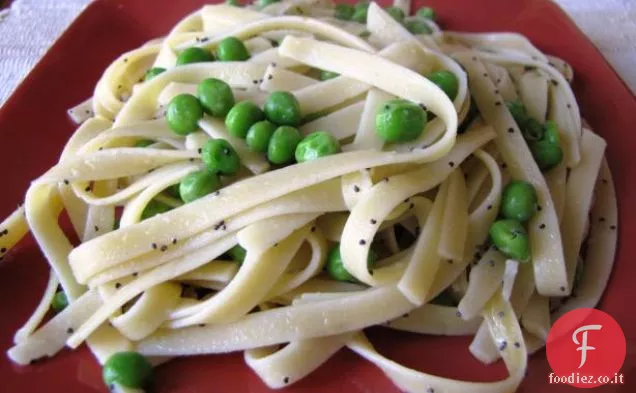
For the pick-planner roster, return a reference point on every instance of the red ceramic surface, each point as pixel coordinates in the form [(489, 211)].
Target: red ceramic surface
[(34, 127)]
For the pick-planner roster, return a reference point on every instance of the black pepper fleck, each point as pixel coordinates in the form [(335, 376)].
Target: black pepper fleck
[(154, 246), (270, 77), (542, 226), (164, 248), (386, 179), (601, 219), (458, 314), (362, 242), (201, 324), (517, 345), (497, 103), (503, 345), (117, 285), (66, 181), (174, 240), (492, 262), (374, 221), (612, 227), (96, 228), (562, 289), (451, 164), (501, 314), (199, 150), (313, 229), (286, 380), (70, 330), (356, 189), (489, 207), (135, 274), (511, 130), (255, 81)]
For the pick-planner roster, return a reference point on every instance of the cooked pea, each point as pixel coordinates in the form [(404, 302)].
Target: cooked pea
[(194, 55), (326, 75), (361, 5), (60, 301), (265, 3), (282, 145), (144, 143), (551, 132), (417, 26), (129, 369), (235, 3), (216, 97), (183, 114), (510, 237), (282, 108), (241, 117), (154, 71), (219, 156), (198, 184), (153, 208), (237, 253), (426, 12), (396, 13), (335, 266), (532, 130), (446, 81), (315, 145), (344, 11), (519, 201), (259, 134), (400, 121), (232, 49)]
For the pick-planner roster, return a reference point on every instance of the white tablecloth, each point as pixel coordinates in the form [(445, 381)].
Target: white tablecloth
[(29, 27)]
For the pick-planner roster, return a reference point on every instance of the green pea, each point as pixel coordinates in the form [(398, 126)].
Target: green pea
[(446, 81), (153, 208), (315, 145), (396, 13), (445, 298), (335, 266), (360, 15), (129, 369), (417, 26), (532, 130), (282, 145), (259, 134), (551, 133), (194, 55), (151, 73), (144, 143), (326, 75), (219, 156), (173, 191), (216, 97), (60, 301), (344, 11), (400, 121), (237, 253), (183, 114), (361, 5), (282, 108), (241, 117), (546, 154), (198, 184), (519, 201), (234, 3), (232, 49), (265, 3), (470, 116), (518, 112), (510, 237), (426, 12)]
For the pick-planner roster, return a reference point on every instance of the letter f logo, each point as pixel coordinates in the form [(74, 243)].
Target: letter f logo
[(583, 344)]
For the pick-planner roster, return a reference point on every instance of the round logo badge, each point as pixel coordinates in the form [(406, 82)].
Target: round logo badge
[(586, 348)]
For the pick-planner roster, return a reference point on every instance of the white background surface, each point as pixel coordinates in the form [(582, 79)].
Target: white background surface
[(29, 27)]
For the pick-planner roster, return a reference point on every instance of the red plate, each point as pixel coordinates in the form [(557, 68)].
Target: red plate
[(34, 128)]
